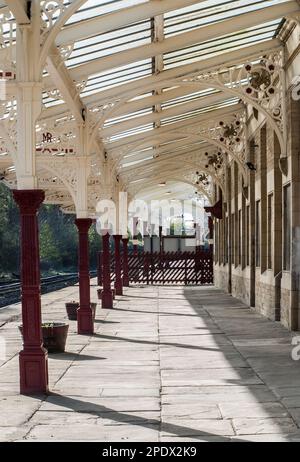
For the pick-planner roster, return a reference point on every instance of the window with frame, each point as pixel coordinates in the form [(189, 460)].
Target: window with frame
[(226, 241), (270, 230), (247, 235), (240, 237), (232, 237), (287, 228), (258, 233)]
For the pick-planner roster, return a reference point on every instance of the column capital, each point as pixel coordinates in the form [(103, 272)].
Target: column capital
[(29, 200), (83, 224), (105, 236)]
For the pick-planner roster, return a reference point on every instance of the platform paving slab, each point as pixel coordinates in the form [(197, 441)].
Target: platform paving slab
[(169, 364)]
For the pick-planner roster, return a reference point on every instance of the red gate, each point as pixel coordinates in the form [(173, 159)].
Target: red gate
[(184, 268)]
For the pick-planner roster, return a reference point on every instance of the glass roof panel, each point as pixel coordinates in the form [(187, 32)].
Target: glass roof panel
[(117, 76), (188, 98), (110, 43), (181, 108), (190, 114), (127, 116), (92, 8), (196, 16), (176, 22), (210, 12), (133, 131), (215, 47)]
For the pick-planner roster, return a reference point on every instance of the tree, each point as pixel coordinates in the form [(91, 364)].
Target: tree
[(58, 238), (49, 252), (9, 232)]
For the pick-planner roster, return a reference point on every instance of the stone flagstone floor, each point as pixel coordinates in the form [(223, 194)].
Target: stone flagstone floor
[(166, 364)]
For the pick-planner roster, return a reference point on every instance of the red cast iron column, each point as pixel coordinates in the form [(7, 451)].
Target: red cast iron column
[(118, 265), (107, 296), (85, 322), (125, 262), (211, 232), (99, 265), (211, 247), (33, 357)]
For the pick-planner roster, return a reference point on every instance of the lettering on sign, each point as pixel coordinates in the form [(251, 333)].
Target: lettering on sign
[(48, 138)]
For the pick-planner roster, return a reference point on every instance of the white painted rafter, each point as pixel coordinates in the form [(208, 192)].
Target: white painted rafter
[(19, 10), (179, 41), (118, 19), (59, 73), (128, 142), (161, 161), (187, 147), (120, 97), (183, 108), (147, 84)]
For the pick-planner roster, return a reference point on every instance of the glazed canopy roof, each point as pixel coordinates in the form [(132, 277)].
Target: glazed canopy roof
[(137, 66)]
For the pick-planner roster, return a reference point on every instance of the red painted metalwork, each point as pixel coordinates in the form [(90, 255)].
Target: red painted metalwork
[(211, 232), (118, 265), (125, 262), (216, 210), (99, 269), (161, 240), (107, 295), (170, 267), (33, 357), (85, 322)]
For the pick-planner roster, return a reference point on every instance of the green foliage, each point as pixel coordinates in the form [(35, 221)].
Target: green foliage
[(95, 242), (177, 227), (9, 232), (48, 245), (58, 238)]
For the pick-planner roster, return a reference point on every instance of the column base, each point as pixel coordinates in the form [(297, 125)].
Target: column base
[(107, 299), (119, 289), (34, 372), (85, 322)]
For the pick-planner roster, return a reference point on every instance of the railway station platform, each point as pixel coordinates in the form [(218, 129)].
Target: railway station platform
[(165, 364)]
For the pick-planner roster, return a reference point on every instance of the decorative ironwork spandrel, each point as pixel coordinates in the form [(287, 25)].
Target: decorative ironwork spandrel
[(57, 138), (260, 82)]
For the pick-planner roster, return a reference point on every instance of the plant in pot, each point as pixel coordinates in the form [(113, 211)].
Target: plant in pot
[(54, 336), (101, 290), (72, 308), (93, 308)]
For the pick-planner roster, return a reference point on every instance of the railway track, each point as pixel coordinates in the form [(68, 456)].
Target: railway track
[(11, 292)]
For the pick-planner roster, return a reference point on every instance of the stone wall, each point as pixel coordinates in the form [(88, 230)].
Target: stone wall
[(240, 288), (221, 277), (285, 307), (265, 297), (262, 213)]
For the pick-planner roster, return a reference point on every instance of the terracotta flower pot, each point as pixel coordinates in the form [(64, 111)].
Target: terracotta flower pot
[(54, 336), (93, 308), (100, 293), (72, 308)]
